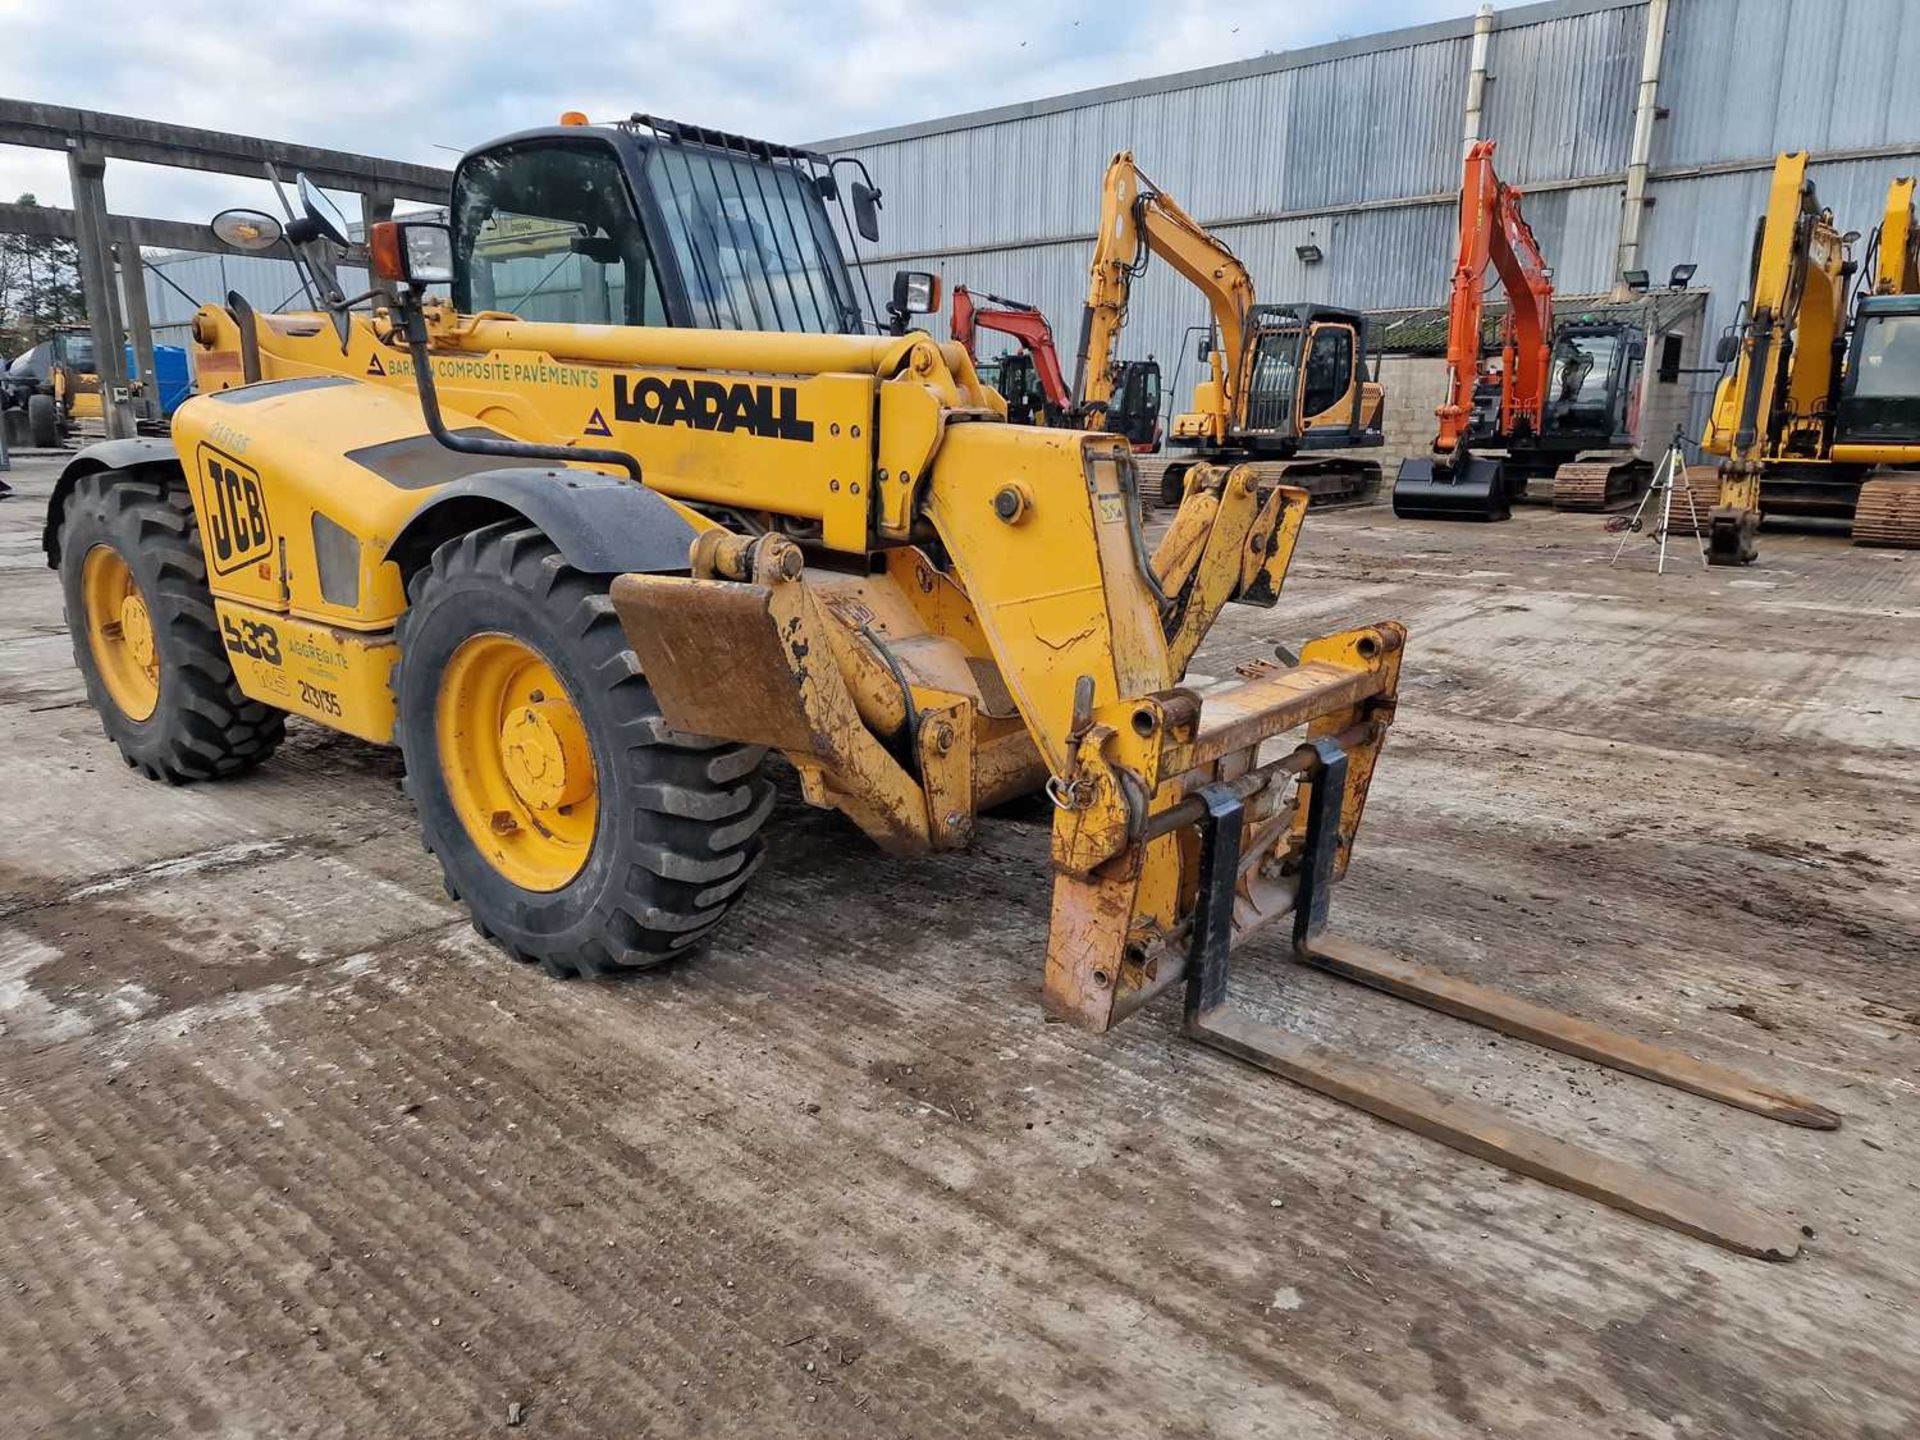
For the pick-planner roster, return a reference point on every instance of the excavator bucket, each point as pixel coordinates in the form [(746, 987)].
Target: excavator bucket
[(1470, 489)]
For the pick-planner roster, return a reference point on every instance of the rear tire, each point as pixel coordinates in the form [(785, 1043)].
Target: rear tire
[(187, 720), (43, 421), (675, 823)]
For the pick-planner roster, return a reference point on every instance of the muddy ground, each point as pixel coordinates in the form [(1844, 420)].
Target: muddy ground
[(288, 1151)]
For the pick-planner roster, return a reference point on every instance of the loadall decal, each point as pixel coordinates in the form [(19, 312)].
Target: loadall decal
[(769, 411), (233, 511)]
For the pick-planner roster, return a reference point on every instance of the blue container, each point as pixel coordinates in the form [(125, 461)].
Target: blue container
[(173, 377)]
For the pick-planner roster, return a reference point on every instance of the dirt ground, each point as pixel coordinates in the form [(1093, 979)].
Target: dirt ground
[(288, 1151)]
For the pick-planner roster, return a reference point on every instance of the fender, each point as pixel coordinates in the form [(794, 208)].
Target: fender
[(128, 454), (602, 524)]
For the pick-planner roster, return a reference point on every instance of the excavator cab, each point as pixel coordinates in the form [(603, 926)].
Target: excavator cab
[(1880, 395), (1135, 413), (1305, 381), (1593, 388), (1019, 385)]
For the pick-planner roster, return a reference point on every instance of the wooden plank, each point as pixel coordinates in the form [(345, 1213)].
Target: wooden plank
[(1554, 1030), (1486, 1134)]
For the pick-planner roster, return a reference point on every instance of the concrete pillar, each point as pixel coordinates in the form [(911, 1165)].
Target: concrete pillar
[(1477, 79), (133, 293), (375, 207), (88, 173), (1633, 204)]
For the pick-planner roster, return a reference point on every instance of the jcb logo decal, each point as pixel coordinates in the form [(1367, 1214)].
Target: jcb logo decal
[(769, 411), (233, 512)]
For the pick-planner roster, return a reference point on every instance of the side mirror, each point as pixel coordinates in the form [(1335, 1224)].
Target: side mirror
[(1727, 350), (415, 253), (826, 187), (1203, 351), (866, 210), (323, 218), (247, 229)]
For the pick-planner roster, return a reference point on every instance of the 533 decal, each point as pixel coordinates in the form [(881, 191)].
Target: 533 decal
[(252, 638)]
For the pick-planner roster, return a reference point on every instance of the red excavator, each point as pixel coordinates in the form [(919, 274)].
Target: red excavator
[(1033, 383), (1563, 402)]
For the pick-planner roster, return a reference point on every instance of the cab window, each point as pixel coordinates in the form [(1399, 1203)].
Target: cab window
[(752, 243), (547, 231), (1329, 369), (1888, 367)]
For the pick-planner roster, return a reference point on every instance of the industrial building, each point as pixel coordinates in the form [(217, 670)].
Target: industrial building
[(1643, 132), (1334, 170)]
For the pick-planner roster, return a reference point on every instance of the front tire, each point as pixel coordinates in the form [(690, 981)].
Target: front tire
[(144, 633), (579, 830)]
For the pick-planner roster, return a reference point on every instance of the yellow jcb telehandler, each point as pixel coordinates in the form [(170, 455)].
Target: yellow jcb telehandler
[(586, 574)]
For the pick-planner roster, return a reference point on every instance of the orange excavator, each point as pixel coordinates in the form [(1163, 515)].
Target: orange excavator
[(1563, 403), (1034, 385)]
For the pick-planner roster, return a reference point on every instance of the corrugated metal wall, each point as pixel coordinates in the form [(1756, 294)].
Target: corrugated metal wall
[(268, 284), (1280, 151)]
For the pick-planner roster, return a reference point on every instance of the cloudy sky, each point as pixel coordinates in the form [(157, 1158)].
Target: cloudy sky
[(424, 79)]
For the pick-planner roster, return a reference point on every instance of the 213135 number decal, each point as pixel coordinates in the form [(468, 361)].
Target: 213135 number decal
[(314, 698)]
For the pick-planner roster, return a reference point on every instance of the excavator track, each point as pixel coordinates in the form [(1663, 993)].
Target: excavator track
[(1329, 481), (1703, 484), (1597, 485), (1888, 512)]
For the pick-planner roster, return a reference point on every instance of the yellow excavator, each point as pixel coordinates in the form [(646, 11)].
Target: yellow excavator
[(1286, 384), (1820, 415), (585, 575)]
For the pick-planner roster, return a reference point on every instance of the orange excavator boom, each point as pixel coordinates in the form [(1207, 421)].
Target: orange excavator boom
[(1494, 232), (1024, 323)]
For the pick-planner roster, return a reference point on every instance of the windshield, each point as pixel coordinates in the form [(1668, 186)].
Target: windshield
[(1270, 383), (1582, 367), (76, 349), (548, 232), (753, 244), (1888, 367)]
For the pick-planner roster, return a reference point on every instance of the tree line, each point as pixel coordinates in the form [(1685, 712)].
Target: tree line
[(39, 289)]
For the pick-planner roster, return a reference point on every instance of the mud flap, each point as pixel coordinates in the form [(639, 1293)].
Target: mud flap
[(1472, 489)]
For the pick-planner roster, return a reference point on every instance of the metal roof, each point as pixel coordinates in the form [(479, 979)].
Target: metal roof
[(1423, 331)]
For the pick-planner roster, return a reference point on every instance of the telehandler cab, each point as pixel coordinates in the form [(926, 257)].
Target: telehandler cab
[(586, 569)]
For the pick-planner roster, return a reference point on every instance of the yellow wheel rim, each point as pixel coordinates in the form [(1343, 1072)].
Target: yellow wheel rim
[(517, 763), (120, 633)]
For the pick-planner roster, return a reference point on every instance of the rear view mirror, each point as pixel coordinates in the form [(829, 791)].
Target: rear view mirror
[(826, 187), (866, 210), (247, 229), (323, 216), (1727, 350), (417, 253)]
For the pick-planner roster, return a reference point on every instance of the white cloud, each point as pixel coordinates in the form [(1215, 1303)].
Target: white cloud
[(405, 80)]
